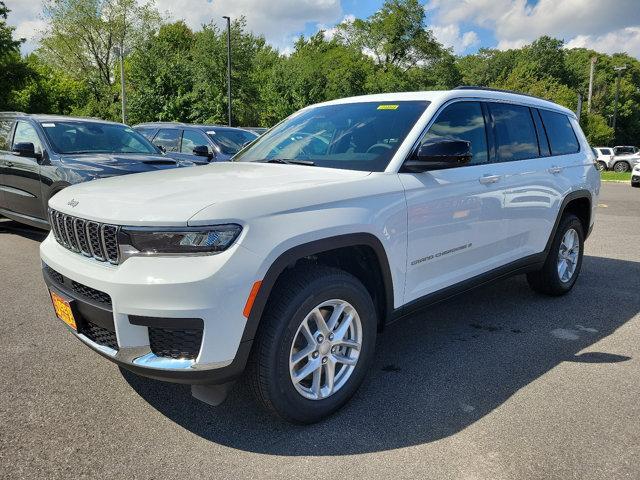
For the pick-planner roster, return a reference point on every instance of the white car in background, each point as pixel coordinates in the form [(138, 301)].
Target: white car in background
[(625, 158), (635, 176), (604, 158)]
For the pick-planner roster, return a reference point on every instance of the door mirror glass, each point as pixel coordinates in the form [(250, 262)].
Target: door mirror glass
[(439, 153), (25, 149)]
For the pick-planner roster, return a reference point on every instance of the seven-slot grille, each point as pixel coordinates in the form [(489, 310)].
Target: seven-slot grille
[(91, 239)]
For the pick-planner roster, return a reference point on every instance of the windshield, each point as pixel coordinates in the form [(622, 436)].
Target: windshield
[(354, 136), (91, 137), (231, 141)]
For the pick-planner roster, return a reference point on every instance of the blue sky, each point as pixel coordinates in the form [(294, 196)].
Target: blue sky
[(464, 25)]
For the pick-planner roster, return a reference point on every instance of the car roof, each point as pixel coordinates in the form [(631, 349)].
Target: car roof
[(188, 125), (442, 96), (41, 117)]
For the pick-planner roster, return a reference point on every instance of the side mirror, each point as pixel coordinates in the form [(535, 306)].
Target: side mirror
[(438, 154), (25, 149), (202, 151)]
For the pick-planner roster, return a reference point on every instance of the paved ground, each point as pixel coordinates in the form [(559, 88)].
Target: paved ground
[(499, 383)]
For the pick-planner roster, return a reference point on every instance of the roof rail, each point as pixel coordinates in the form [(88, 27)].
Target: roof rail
[(489, 89), (12, 113)]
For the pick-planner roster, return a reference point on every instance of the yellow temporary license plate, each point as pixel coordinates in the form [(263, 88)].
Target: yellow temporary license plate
[(63, 310)]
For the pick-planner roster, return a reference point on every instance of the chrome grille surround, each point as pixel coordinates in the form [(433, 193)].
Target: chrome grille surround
[(89, 238)]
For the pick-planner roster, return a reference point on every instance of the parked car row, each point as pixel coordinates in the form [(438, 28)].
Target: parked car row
[(618, 159), (42, 154)]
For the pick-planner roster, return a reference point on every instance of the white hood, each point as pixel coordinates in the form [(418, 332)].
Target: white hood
[(172, 197)]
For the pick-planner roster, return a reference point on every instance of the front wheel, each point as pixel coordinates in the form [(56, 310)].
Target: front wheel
[(315, 344), (621, 167), (601, 166), (564, 260)]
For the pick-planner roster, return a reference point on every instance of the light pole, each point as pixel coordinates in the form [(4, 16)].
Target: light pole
[(228, 66), (615, 106), (591, 72), (120, 51)]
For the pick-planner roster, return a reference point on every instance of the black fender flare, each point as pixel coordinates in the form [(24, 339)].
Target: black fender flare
[(313, 248), (575, 195)]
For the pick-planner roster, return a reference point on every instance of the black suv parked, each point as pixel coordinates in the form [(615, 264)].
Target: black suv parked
[(198, 143), (42, 154)]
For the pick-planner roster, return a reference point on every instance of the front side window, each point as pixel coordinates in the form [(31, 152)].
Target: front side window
[(231, 141), (25, 133), (191, 140), (561, 136), (169, 139), (146, 132), (355, 136), (77, 136), (515, 133), (462, 121)]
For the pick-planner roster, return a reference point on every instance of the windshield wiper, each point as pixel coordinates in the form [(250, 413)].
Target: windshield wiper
[(289, 162)]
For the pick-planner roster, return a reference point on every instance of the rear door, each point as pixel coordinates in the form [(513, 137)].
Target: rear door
[(22, 185), (456, 229)]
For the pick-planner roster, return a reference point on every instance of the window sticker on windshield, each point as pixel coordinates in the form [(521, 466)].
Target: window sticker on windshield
[(128, 130), (388, 107), (49, 125), (211, 132)]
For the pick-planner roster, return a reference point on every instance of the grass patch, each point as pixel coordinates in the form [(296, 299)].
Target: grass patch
[(609, 176)]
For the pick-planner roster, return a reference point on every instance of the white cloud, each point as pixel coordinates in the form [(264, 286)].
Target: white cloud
[(450, 36), (329, 32), (25, 16), (517, 22), (280, 21), (624, 40)]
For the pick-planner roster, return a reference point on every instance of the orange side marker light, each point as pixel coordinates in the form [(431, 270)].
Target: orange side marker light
[(252, 298)]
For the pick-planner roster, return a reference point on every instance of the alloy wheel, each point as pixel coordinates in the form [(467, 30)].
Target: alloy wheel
[(568, 255)]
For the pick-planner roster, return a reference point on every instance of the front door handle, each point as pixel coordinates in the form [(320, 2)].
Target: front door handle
[(555, 170), (487, 179)]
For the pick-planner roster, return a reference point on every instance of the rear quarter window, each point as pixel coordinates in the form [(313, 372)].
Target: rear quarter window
[(562, 138)]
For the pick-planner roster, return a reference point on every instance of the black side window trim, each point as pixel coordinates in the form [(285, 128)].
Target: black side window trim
[(541, 133)]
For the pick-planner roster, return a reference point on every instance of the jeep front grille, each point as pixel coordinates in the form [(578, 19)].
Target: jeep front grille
[(91, 239)]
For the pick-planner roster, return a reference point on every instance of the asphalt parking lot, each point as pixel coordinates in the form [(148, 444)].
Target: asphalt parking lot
[(498, 383)]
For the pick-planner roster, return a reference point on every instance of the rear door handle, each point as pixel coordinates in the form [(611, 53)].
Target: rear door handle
[(555, 170), (487, 179)]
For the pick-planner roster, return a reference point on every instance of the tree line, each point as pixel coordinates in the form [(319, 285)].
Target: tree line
[(174, 73)]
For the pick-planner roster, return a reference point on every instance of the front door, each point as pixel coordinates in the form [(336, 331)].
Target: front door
[(22, 185), (455, 215)]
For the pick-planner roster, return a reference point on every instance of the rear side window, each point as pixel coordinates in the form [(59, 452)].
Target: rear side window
[(169, 138), (5, 132), (462, 121), (605, 151), (515, 133), (562, 138)]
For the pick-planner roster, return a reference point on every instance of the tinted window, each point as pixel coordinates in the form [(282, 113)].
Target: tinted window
[(5, 131), (605, 151), (191, 140), (560, 133), (625, 150), (515, 134), (462, 121), (76, 136), (169, 138), (25, 133), (543, 141), (231, 141)]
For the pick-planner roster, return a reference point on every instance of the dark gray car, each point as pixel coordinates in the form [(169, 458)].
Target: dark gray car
[(198, 143), (42, 154)]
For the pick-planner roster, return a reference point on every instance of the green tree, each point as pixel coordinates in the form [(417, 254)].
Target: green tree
[(13, 70)]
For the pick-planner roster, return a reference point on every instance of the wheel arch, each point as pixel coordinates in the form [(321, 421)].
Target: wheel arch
[(319, 248), (578, 202)]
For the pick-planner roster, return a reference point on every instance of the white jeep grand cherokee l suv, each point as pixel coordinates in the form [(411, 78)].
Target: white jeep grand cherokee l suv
[(345, 216)]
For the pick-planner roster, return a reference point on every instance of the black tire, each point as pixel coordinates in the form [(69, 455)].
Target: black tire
[(601, 166), (297, 293), (621, 167), (547, 280), (635, 185)]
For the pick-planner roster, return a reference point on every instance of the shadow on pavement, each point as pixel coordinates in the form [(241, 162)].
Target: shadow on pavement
[(10, 227), (435, 373)]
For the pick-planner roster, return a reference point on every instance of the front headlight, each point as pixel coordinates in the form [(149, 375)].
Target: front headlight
[(187, 240)]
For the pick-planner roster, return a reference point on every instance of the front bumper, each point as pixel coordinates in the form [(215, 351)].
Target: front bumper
[(178, 290)]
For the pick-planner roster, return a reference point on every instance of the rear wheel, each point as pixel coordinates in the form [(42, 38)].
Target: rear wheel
[(621, 167), (315, 344), (563, 263)]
